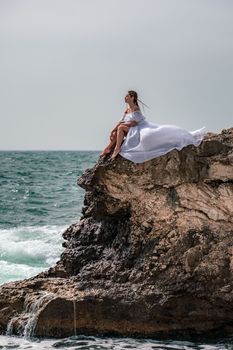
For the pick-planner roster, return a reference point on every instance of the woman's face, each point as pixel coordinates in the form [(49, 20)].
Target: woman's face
[(128, 98)]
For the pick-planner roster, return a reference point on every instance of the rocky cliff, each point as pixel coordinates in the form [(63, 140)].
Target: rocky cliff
[(152, 254)]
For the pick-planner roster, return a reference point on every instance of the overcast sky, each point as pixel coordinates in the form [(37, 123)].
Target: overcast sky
[(66, 65)]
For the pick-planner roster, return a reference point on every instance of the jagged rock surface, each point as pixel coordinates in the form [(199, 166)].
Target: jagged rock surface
[(152, 254)]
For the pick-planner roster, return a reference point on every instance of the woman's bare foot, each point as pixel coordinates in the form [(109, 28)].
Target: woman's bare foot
[(115, 153), (105, 152)]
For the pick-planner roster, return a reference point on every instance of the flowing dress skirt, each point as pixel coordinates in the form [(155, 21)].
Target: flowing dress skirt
[(148, 140)]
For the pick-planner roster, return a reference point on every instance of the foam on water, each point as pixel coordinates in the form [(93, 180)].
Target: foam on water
[(39, 199), (26, 251), (103, 343)]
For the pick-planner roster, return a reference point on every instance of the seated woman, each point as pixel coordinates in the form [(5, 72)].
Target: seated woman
[(120, 131), (139, 140)]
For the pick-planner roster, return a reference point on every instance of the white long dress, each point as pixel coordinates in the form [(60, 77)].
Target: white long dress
[(148, 140)]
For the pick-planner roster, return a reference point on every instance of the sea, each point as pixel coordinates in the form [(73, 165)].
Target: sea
[(39, 199)]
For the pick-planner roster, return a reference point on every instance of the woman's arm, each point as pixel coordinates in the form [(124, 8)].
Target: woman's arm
[(131, 123), (114, 129)]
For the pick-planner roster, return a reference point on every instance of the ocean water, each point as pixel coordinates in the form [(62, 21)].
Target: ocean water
[(39, 199)]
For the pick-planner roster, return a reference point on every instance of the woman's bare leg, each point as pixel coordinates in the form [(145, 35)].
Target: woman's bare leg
[(121, 130), (108, 149)]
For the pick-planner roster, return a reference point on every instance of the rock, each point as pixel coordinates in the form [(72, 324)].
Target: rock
[(152, 254)]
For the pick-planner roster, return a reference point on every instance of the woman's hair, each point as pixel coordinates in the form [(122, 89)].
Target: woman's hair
[(134, 94)]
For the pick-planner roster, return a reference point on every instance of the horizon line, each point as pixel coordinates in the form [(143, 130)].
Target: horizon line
[(48, 150)]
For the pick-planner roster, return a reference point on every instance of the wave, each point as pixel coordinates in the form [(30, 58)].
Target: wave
[(28, 250)]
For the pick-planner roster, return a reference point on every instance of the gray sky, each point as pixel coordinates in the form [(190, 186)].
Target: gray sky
[(65, 66)]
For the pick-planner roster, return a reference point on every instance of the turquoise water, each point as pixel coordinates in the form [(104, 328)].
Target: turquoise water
[(39, 199)]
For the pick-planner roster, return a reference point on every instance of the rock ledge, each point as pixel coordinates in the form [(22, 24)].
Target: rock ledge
[(151, 256)]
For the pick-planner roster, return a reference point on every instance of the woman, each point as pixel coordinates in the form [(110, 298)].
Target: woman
[(139, 140)]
